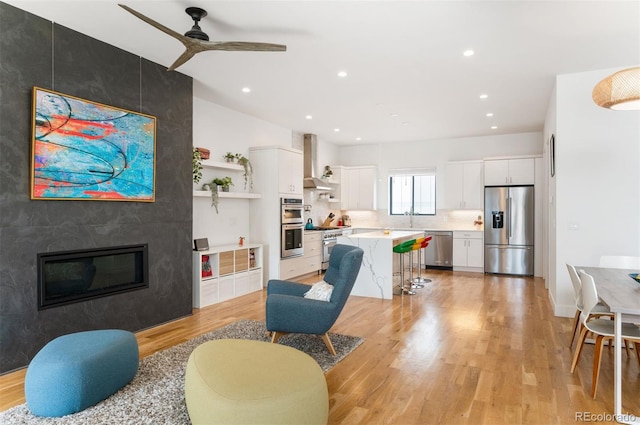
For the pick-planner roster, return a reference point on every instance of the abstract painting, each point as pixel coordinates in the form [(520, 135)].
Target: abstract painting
[(84, 150)]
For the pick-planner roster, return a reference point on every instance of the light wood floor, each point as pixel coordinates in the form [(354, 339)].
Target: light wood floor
[(467, 349)]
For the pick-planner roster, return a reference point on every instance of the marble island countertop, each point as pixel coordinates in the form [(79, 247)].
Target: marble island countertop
[(388, 234), (416, 229)]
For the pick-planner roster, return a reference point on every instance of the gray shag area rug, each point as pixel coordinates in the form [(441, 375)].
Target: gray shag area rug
[(156, 393)]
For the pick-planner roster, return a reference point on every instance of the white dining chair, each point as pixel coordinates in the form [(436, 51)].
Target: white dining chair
[(620, 262), (603, 329), (598, 311)]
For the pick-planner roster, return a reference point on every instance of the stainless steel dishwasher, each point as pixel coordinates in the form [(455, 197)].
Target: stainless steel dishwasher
[(439, 253)]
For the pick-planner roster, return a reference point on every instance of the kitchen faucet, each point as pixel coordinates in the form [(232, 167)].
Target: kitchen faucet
[(410, 214)]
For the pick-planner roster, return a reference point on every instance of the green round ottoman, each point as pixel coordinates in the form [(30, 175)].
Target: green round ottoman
[(235, 381)]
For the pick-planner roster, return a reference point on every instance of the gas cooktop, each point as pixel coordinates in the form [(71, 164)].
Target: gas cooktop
[(329, 227)]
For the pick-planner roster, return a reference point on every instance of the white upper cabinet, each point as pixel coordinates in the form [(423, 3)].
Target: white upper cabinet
[(464, 189), (505, 172), (290, 172), (358, 188)]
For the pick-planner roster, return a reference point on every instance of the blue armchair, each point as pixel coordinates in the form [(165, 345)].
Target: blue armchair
[(289, 312)]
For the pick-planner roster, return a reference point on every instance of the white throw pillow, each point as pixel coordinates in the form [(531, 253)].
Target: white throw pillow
[(320, 291)]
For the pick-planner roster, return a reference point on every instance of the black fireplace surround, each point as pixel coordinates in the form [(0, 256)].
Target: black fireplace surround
[(73, 276)]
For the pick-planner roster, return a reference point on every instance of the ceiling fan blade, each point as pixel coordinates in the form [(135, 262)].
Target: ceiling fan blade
[(196, 45), (155, 24), (188, 54), (243, 46)]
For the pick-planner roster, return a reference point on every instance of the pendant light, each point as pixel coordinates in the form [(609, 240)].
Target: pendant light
[(619, 91)]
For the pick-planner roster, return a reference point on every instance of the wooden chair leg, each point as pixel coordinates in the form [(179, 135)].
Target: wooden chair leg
[(597, 357), (576, 355), (637, 345), (327, 342), (275, 336), (576, 322)]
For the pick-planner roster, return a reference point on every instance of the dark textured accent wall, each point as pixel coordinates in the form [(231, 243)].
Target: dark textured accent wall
[(37, 52)]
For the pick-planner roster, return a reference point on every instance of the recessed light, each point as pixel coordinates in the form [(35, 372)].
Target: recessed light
[(342, 74), (490, 114), (468, 52), (336, 130), (308, 117), (246, 90), (405, 123), (393, 115), (484, 96), (358, 138), (493, 127)]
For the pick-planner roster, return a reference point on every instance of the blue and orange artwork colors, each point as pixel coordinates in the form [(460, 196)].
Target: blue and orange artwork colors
[(86, 150)]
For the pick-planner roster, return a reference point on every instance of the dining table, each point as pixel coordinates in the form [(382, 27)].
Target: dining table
[(621, 293)]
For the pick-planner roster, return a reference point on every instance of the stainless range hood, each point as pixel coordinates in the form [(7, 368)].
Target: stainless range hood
[(311, 181)]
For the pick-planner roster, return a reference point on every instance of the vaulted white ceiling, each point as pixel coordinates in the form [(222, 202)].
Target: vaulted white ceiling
[(407, 77)]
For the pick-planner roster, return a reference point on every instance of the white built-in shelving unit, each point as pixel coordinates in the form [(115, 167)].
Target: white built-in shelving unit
[(224, 272)]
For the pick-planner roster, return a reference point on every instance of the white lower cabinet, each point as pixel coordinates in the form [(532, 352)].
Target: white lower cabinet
[(298, 266), (255, 280), (226, 272), (226, 285), (468, 251)]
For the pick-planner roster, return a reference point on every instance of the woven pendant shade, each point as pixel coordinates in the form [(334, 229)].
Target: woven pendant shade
[(619, 91)]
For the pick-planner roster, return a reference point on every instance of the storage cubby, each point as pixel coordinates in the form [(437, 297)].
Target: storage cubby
[(226, 272)]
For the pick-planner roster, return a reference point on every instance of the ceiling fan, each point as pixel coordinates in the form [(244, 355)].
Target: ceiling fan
[(197, 41)]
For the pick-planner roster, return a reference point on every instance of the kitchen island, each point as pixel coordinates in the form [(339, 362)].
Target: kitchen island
[(375, 279)]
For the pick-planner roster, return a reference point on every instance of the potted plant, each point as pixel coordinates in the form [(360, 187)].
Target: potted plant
[(229, 157), (248, 170), (225, 182), (197, 165)]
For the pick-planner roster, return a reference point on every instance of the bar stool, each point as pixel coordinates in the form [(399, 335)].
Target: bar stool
[(401, 249), (421, 280), (414, 283)]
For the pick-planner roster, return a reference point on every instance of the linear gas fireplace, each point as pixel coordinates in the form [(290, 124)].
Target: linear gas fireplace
[(72, 276)]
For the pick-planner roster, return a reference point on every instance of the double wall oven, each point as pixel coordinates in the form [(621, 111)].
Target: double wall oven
[(292, 227)]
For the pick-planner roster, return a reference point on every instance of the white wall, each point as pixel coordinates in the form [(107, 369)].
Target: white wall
[(221, 130), (597, 182), (550, 219)]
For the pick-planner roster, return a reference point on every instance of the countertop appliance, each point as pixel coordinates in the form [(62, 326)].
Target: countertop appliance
[(439, 253), (508, 230)]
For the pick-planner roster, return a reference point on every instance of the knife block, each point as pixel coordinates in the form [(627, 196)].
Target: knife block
[(327, 222)]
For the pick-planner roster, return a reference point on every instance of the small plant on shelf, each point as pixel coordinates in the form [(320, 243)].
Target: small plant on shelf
[(197, 165), (225, 183), (229, 157), (248, 170), (327, 172)]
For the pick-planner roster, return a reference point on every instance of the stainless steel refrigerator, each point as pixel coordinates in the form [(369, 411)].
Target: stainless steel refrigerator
[(508, 230)]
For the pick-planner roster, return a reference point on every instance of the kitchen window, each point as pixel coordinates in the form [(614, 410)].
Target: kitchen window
[(412, 194)]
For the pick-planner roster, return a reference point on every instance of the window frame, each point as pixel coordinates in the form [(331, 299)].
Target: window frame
[(413, 175)]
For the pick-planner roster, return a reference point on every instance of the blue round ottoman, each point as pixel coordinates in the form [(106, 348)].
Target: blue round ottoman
[(78, 370)]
